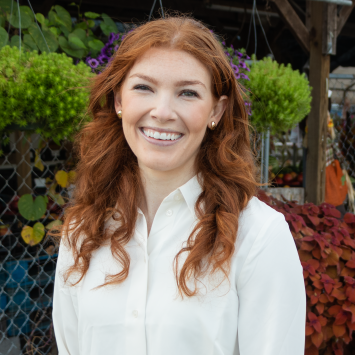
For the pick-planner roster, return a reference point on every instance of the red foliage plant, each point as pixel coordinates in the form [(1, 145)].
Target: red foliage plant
[(326, 248)]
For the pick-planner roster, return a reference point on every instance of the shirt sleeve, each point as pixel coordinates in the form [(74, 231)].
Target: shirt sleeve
[(65, 319), (272, 297)]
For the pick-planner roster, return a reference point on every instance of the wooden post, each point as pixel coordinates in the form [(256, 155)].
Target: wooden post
[(317, 119), (23, 164)]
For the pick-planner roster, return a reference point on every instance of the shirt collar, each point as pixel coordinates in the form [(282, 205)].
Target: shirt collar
[(191, 191)]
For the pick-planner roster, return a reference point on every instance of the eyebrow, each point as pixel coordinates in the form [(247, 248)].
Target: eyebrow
[(179, 83)]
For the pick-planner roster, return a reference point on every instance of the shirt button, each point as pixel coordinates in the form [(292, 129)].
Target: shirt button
[(169, 213), (135, 313), (177, 196)]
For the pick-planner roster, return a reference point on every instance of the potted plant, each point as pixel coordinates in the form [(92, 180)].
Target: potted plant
[(281, 96)]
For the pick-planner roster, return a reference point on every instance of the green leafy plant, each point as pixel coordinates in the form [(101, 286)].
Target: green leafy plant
[(56, 32), (281, 96), (326, 248), (44, 90)]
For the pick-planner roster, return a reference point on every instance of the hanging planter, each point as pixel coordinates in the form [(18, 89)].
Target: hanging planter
[(43, 93)]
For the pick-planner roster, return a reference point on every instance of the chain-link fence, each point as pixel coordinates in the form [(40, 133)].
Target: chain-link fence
[(343, 113), (30, 167)]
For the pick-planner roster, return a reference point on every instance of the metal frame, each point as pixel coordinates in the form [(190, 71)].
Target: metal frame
[(337, 2)]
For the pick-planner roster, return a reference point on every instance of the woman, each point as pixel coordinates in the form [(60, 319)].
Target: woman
[(168, 251)]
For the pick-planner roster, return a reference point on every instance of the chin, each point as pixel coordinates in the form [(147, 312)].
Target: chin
[(159, 164)]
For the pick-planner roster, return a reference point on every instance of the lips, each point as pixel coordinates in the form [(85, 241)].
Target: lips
[(160, 135)]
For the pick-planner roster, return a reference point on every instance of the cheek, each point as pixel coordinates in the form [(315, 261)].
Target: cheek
[(197, 119)]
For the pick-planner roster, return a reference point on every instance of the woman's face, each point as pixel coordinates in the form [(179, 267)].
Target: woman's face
[(167, 105)]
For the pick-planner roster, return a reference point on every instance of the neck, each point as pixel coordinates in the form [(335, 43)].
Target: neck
[(159, 184)]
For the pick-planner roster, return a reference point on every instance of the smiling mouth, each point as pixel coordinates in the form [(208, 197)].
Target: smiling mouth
[(161, 136)]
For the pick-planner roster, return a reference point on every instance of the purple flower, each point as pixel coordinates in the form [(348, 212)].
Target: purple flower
[(111, 38), (116, 47), (243, 76), (237, 76), (242, 65), (102, 58), (224, 43), (93, 63)]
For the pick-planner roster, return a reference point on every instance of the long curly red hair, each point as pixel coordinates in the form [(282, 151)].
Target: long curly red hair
[(108, 183)]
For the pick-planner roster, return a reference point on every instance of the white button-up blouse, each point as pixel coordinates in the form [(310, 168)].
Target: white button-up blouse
[(260, 311)]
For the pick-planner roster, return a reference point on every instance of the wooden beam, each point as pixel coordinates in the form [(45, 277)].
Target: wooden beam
[(295, 24), (317, 119), (330, 29), (344, 14)]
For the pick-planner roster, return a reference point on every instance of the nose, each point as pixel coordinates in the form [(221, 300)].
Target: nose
[(163, 110)]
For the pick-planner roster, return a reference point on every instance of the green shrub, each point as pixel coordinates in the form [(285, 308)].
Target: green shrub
[(281, 96), (46, 90)]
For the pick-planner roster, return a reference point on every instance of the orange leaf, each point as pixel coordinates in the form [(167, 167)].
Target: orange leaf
[(317, 339), (305, 255), (312, 350), (339, 294), (320, 308), (307, 246), (339, 330), (347, 272), (316, 253), (308, 342), (333, 310), (350, 264), (350, 308), (323, 298), (309, 330), (346, 253)]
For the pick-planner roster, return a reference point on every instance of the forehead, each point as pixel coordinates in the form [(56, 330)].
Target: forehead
[(171, 64)]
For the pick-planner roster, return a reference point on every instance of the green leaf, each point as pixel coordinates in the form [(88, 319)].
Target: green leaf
[(91, 23), (96, 45), (4, 37), (109, 22), (5, 5), (32, 210), (26, 17), (28, 40), (15, 41), (55, 30), (38, 38), (81, 25), (2, 20), (106, 29), (40, 18), (64, 45), (64, 16), (76, 43), (78, 33), (92, 15), (64, 30)]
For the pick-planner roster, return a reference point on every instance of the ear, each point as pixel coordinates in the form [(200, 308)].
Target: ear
[(118, 100), (218, 110)]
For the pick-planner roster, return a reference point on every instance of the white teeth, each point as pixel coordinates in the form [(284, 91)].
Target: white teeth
[(162, 136)]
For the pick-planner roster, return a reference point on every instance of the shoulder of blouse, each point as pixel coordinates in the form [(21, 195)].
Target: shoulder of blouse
[(258, 223)]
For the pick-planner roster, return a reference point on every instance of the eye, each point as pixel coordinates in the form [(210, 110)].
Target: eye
[(190, 93), (142, 87)]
